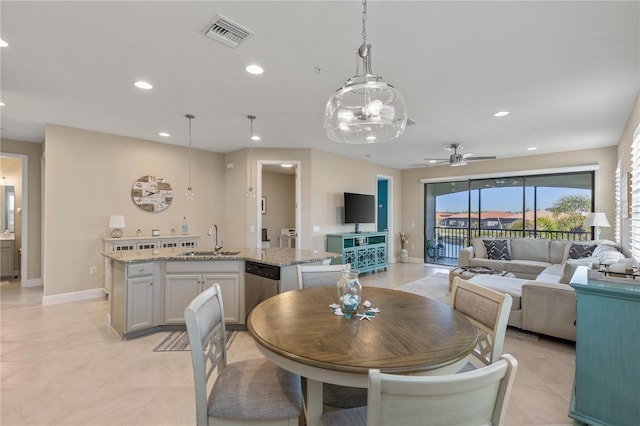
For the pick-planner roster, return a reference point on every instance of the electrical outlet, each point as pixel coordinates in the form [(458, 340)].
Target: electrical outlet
[(93, 270), (316, 228)]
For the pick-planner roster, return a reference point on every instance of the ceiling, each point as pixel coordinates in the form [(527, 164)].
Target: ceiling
[(567, 71)]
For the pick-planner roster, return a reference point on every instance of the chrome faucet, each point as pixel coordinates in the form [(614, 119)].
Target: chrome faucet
[(217, 247)]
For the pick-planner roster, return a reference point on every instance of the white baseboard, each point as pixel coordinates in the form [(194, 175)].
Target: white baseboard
[(73, 296)]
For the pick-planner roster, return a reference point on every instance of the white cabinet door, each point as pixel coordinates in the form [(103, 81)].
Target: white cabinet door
[(139, 303), (230, 288), (179, 291)]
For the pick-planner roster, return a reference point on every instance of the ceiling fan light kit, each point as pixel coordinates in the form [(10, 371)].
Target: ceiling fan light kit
[(365, 109)]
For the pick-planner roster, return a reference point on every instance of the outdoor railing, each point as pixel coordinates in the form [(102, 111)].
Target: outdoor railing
[(449, 241)]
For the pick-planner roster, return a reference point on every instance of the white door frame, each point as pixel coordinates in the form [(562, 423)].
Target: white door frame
[(298, 191)]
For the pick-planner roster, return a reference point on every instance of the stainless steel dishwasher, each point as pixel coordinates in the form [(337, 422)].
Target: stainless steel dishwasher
[(260, 283)]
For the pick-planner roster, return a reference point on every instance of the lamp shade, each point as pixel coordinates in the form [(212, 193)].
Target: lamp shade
[(598, 219), (116, 221)]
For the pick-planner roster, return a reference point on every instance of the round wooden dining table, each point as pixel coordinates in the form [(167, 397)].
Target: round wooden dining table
[(298, 331)]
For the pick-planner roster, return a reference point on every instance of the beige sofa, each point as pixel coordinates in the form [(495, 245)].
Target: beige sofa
[(543, 302)]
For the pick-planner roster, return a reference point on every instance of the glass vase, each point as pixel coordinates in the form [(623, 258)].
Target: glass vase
[(349, 292)]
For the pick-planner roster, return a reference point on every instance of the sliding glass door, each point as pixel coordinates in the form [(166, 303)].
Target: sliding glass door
[(551, 206)]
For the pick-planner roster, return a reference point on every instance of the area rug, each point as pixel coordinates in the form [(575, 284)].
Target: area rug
[(434, 286), (179, 341)]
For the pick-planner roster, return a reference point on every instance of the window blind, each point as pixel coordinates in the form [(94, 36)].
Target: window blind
[(635, 194)]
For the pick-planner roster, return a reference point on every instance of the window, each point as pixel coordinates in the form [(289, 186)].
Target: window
[(553, 206), (635, 194)]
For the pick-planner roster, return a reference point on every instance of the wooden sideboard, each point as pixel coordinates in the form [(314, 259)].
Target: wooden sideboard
[(607, 379)]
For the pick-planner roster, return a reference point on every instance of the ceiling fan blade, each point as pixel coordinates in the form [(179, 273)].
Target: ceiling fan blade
[(486, 157)]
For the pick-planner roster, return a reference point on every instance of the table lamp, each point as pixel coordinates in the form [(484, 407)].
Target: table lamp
[(597, 219), (116, 223)]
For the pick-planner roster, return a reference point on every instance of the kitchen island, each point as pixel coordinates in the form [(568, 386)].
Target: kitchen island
[(150, 288)]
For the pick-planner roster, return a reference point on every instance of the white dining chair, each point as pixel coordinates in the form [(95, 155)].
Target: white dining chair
[(253, 391), (488, 310), (333, 396), (477, 397), (320, 275)]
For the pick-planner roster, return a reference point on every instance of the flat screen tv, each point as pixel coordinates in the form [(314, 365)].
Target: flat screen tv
[(359, 208)]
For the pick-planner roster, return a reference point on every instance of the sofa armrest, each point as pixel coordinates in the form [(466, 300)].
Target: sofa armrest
[(465, 255), (549, 309)]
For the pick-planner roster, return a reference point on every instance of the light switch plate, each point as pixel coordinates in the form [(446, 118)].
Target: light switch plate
[(316, 228)]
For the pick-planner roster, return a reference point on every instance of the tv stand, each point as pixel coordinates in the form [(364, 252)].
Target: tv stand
[(365, 251), (357, 228)]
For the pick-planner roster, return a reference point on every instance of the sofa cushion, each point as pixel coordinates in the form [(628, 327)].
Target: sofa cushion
[(478, 248), (497, 249), (551, 274), (526, 267), (570, 266), (557, 250), (495, 264), (530, 249), (510, 286)]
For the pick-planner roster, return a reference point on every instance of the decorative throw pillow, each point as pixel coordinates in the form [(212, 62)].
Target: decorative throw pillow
[(579, 251), (497, 249)]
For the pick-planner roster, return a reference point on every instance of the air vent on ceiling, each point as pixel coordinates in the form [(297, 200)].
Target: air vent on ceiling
[(228, 32)]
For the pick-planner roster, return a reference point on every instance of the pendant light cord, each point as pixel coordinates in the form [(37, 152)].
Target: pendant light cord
[(190, 191), (364, 20)]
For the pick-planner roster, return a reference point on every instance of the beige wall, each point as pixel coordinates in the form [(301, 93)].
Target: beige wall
[(624, 157), (88, 177), (331, 177), (413, 189), (33, 255)]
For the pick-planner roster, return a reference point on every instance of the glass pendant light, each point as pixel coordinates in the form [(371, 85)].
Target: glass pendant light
[(251, 192), (365, 109), (191, 193)]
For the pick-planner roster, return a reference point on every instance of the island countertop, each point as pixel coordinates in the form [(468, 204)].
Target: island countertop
[(270, 256)]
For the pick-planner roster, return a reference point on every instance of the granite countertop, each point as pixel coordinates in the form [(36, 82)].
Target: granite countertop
[(270, 256)]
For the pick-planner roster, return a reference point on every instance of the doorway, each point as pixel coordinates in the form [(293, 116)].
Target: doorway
[(384, 210), (15, 214), (279, 216)]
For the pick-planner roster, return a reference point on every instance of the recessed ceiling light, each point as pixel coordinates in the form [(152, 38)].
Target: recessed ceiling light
[(1, 103), (143, 85), (501, 113), (255, 138), (254, 69), (164, 134), (3, 43), (286, 166), (533, 148)]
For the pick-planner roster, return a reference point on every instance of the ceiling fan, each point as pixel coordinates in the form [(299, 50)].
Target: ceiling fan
[(456, 159)]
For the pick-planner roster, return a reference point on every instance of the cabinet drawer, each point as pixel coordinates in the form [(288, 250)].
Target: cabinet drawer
[(213, 266), (139, 269)]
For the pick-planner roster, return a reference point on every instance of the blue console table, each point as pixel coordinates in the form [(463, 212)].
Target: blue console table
[(607, 380), (365, 251)]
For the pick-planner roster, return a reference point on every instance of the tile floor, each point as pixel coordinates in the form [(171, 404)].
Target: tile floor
[(62, 365)]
